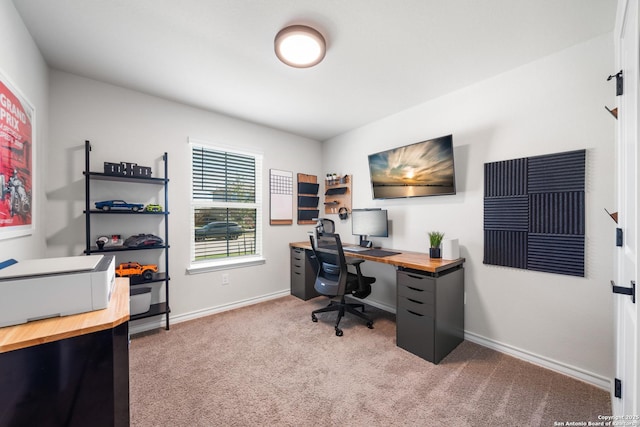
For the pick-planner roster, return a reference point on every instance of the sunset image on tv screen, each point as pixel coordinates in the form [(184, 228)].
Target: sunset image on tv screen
[(421, 169)]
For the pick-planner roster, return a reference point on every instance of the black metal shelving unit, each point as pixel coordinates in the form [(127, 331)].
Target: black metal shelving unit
[(161, 308)]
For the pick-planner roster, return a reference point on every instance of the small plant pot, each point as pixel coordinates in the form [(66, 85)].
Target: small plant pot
[(434, 253)]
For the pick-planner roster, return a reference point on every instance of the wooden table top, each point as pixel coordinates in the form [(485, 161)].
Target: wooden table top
[(407, 259), (57, 328)]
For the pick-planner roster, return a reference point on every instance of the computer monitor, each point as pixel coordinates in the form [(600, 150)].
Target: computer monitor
[(369, 223)]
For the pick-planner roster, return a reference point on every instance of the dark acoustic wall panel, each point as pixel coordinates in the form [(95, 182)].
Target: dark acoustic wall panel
[(506, 178), (556, 254), (534, 213), (557, 172), (506, 248), (557, 213), (506, 213)]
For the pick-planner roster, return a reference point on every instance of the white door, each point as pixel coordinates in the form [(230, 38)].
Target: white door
[(625, 311)]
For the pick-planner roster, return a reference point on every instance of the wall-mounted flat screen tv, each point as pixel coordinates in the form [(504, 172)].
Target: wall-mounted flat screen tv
[(421, 169)]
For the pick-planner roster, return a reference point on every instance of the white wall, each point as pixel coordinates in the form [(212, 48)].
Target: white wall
[(552, 105), (124, 125), (24, 67)]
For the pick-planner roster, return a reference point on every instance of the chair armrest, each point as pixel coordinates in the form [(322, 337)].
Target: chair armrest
[(356, 263), (364, 282)]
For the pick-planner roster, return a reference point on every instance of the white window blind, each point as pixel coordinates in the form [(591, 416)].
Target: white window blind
[(226, 204)]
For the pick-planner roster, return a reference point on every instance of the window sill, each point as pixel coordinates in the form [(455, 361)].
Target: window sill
[(206, 267)]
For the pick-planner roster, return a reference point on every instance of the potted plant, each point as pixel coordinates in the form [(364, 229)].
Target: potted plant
[(435, 239)]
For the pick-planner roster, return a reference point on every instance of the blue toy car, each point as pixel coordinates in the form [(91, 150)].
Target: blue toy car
[(119, 204)]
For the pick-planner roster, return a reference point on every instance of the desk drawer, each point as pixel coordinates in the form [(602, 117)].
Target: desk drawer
[(418, 307), (416, 294), (298, 260), (415, 333), (297, 254), (416, 281), (302, 274), (297, 279)]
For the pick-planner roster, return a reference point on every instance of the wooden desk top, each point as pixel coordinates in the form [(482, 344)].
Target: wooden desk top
[(407, 259), (57, 328)]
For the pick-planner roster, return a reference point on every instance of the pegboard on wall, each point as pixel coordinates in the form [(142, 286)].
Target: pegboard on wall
[(337, 194)]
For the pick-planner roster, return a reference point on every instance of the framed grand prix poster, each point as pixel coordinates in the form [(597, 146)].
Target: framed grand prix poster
[(17, 169)]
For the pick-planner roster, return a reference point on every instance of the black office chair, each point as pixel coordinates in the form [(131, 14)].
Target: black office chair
[(334, 280), (325, 225)]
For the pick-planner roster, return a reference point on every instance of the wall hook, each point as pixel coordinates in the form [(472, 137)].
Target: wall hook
[(625, 291), (619, 84)]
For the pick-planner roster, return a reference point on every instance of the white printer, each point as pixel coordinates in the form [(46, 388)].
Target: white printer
[(49, 287)]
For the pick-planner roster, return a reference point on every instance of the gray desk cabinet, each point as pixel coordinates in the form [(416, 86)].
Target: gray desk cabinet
[(303, 274), (430, 312)]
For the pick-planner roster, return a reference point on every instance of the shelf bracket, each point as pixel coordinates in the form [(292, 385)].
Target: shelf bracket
[(625, 291)]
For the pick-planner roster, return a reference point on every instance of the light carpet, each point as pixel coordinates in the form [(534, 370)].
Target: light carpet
[(269, 365)]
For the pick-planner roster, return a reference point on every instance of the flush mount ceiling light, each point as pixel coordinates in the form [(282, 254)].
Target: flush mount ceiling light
[(300, 46)]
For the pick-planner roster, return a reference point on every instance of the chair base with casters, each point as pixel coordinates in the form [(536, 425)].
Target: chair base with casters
[(334, 280), (341, 307)]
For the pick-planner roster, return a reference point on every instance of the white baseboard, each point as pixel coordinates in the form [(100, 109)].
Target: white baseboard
[(572, 371), (381, 306), (545, 362), (150, 323)]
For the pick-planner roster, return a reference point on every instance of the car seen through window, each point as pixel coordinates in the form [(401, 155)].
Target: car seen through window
[(219, 230)]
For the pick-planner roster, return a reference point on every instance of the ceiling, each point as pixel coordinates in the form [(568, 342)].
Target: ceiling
[(383, 56)]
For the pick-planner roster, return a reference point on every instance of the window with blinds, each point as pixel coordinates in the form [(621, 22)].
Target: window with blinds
[(226, 204)]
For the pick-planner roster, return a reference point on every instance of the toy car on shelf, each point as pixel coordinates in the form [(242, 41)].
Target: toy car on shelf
[(143, 240), (107, 205), (128, 269), (153, 208), (219, 230)]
